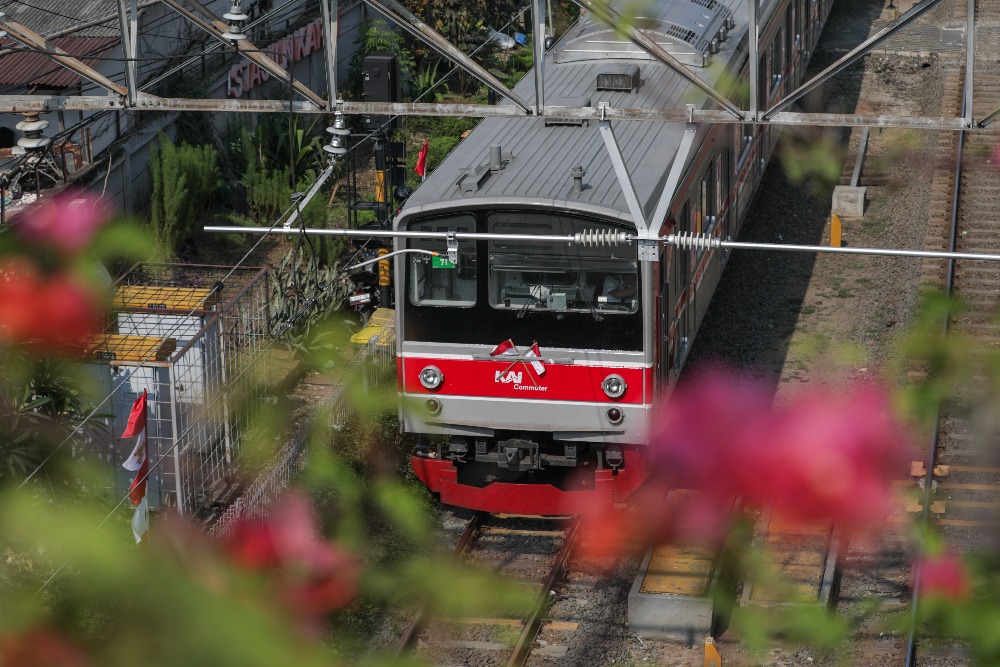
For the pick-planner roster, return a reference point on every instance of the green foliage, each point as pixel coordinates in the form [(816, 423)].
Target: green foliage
[(818, 161), (300, 289), (424, 82), (185, 178)]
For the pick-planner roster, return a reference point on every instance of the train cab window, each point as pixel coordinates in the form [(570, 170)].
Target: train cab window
[(557, 276), (434, 281)]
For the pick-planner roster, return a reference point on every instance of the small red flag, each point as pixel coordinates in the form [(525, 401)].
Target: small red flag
[(137, 491), (535, 354), (136, 418), (139, 459), (421, 167), (505, 348)]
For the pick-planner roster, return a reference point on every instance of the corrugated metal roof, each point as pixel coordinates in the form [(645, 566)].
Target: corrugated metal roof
[(35, 69), (48, 16), (542, 156)]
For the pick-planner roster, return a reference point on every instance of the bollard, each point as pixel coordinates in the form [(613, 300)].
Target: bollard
[(712, 657)]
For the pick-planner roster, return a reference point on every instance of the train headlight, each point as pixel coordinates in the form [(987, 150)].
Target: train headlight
[(615, 416), (431, 377), (614, 386), (433, 406)]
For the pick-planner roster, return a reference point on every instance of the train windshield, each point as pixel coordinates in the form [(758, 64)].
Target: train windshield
[(434, 281), (558, 276)]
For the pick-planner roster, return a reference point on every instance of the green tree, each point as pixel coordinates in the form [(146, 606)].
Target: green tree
[(185, 178)]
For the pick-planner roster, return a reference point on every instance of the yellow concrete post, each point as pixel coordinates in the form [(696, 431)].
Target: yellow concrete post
[(712, 657), (835, 230)]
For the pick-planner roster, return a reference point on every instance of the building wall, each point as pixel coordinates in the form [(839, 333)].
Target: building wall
[(121, 140)]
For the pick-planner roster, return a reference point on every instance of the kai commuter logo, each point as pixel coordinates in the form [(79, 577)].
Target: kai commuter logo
[(529, 361), (508, 377)]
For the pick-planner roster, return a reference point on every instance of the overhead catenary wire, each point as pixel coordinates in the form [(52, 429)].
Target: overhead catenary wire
[(264, 233)]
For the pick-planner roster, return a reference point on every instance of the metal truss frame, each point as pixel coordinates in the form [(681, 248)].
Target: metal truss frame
[(129, 98)]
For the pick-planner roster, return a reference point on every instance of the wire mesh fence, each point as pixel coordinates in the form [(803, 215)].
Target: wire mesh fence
[(373, 364), (191, 337)]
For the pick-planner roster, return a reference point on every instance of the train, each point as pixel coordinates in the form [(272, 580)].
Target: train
[(529, 372)]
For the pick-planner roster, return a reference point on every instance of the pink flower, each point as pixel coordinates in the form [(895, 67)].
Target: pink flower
[(823, 458), (55, 312), (66, 222), (40, 647), (944, 576), (313, 577)]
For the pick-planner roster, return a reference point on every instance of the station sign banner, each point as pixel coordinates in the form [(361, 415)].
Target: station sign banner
[(245, 76)]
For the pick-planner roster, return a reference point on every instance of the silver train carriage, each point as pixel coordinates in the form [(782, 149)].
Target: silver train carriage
[(530, 371)]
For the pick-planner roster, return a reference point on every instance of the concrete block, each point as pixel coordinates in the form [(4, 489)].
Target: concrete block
[(668, 616), (848, 202)]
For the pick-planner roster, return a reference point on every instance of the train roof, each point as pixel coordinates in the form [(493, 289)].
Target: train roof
[(538, 155)]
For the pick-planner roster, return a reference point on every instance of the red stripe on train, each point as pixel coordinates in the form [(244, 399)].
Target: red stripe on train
[(491, 378)]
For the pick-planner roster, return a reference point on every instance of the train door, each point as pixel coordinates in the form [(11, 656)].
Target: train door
[(667, 341), (682, 283)]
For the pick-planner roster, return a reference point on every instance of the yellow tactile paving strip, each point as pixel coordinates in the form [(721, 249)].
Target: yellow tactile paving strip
[(130, 297), (114, 347), (677, 570), (796, 557)]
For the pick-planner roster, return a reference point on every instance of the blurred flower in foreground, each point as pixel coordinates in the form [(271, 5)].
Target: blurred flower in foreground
[(944, 576), (56, 312), (824, 457), (312, 577), (66, 223), (40, 647)]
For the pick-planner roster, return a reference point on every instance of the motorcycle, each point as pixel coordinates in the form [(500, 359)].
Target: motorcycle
[(363, 297)]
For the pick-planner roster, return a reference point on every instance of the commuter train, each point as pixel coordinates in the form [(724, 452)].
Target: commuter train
[(528, 370)]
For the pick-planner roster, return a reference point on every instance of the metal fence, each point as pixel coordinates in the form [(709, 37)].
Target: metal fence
[(373, 364), (200, 396)]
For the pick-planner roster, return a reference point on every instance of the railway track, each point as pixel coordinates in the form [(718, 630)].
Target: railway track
[(533, 553), (960, 493)]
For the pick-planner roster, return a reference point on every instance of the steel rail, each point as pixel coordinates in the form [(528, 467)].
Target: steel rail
[(419, 622), (910, 656), (523, 646)]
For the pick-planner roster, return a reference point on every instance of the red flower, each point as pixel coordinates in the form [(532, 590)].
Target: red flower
[(56, 312), (66, 222), (823, 458), (313, 577), (944, 576), (40, 647)]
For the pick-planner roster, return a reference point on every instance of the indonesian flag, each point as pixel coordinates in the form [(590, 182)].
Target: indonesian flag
[(535, 362), (421, 167), (137, 427), (505, 348), (138, 462)]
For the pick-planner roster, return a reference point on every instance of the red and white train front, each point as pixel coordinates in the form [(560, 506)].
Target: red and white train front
[(522, 366)]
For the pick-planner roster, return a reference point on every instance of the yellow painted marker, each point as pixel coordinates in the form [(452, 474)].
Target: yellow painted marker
[(835, 230), (712, 657)]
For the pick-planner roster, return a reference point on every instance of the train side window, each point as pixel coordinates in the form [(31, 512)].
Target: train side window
[(434, 281)]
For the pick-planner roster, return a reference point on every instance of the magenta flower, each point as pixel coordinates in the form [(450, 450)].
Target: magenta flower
[(312, 577), (944, 576), (41, 647), (824, 458), (66, 222)]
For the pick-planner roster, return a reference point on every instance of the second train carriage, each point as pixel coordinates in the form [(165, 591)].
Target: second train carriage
[(600, 332)]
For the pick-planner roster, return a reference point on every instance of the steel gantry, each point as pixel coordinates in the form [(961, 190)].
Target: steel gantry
[(130, 97)]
